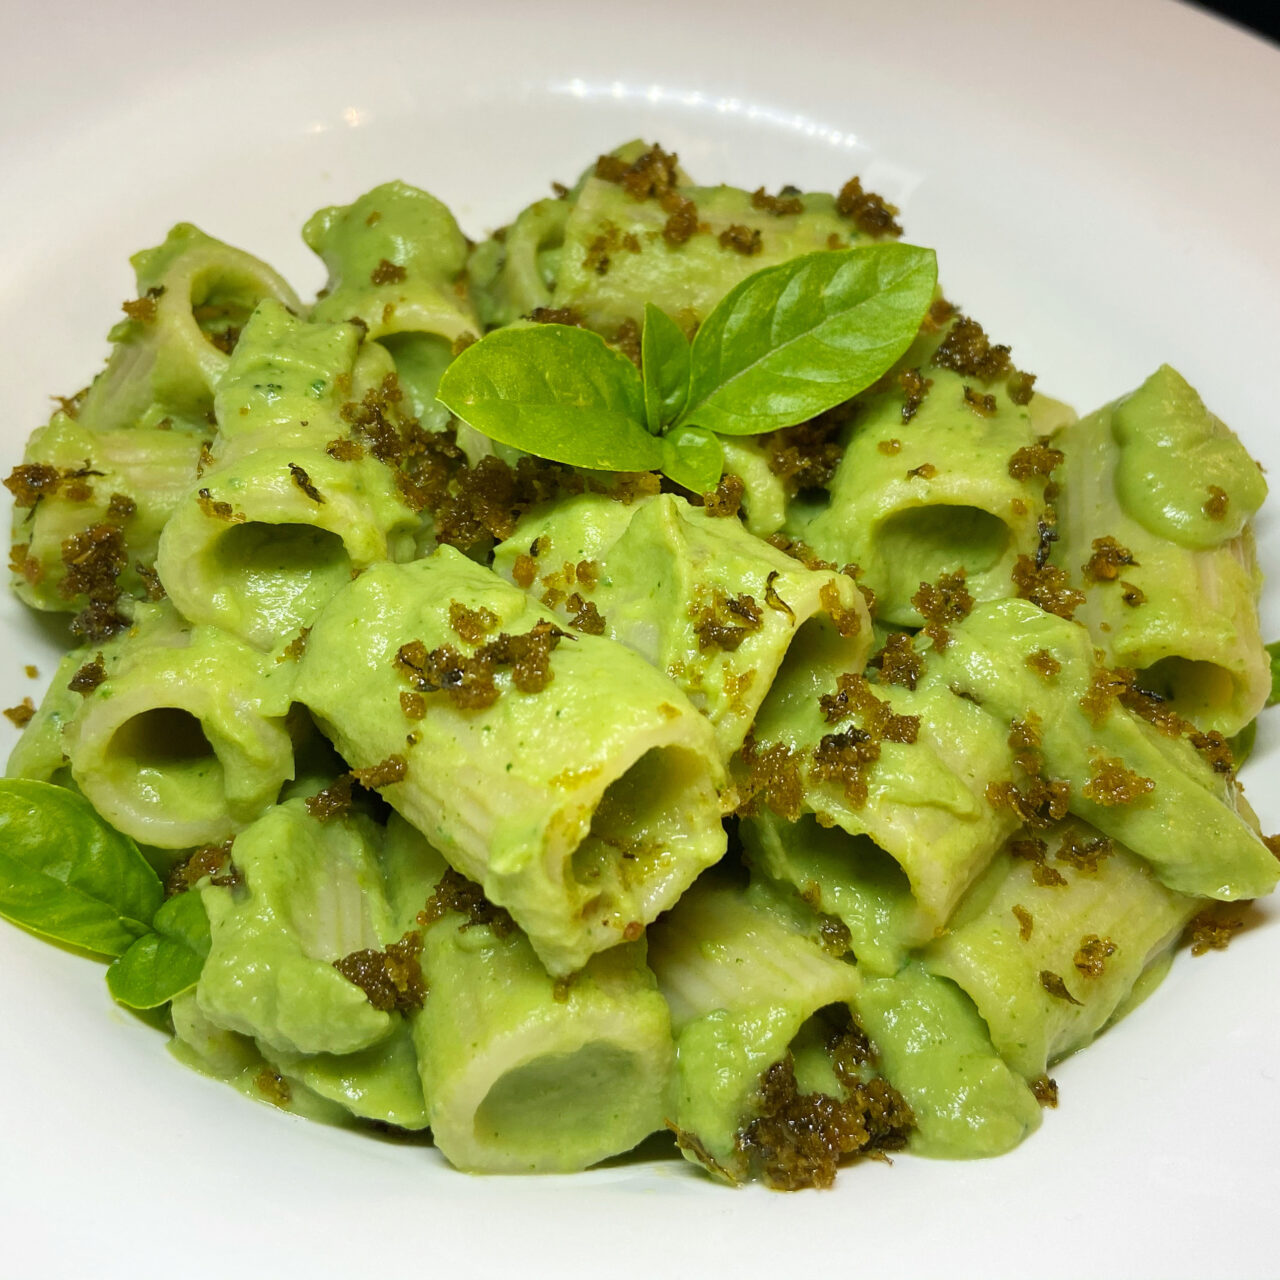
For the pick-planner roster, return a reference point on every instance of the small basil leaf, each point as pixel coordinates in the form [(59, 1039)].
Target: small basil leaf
[(1273, 651), (167, 962), (664, 356), (556, 391), (1242, 744), (693, 458), (793, 340), (65, 874)]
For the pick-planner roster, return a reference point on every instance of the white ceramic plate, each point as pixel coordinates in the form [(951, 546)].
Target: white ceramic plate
[(1100, 180)]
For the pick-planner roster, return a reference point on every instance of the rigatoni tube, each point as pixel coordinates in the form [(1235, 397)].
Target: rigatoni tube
[(907, 767), (1177, 600), (524, 1073), (715, 608), (574, 782), (938, 493), (181, 738), (1049, 943), (1112, 768), (280, 519)]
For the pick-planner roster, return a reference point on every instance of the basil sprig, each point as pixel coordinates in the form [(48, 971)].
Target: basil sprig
[(67, 875), (784, 345)]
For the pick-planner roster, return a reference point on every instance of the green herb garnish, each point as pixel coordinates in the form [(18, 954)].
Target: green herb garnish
[(784, 345)]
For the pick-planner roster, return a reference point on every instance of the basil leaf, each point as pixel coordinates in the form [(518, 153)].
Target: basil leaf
[(664, 358), (798, 338), (556, 391), (65, 874), (1273, 651), (167, 962), (693, 457)]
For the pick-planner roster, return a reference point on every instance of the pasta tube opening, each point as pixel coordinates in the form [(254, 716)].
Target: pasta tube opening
[(183, 737), (280, 573), (561, 1090), (922, 543), (1193, 688), (638, 816), (163, 737)]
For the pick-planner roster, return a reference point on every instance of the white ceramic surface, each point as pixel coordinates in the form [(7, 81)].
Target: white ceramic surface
[(1100, 179)]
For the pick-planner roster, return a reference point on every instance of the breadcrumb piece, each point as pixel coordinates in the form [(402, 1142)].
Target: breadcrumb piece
[(854, 697), (982, 403), (968, 351), (1045, 1089), (1055, 986), (834, 936), (143, 309), (391, 979), (848, 622), (1026, 922), (472, 625), (870, 213), (1217, 503), (780, 205), (455, 893), (585, 616), (899, 662), (847, 758), (1213, 928), (726, 621), (1038, 802), (303, 481), (1039, 459), (774, 777), (806, 456), (1034, 850), (469, 679), (21, 715), (383, 774), (1025, 740), (1046, 586), (1132, 596), (744, 240), (915, 386), (797, 1140), (1112, 783), (211, 860), (273, 1086), (726, 500), (1043, 663), (332, 801), (1108, 558), (1084, 853), (387, 272), (94, 559), (215, 509), (1215, 750), (942, 604), (555, 315), (1020, 387), (524, 571), (88, 677), (1092, 955)]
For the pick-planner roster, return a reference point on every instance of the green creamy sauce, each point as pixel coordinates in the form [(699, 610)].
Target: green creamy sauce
[(1182, 473)]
